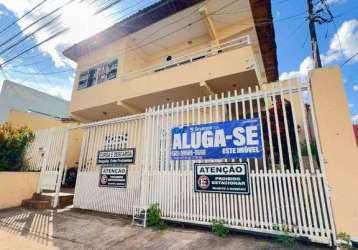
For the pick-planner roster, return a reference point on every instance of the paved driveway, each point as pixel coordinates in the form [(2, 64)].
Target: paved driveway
[(73, 229)]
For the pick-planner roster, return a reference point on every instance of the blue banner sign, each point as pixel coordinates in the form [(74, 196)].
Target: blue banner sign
[(220, 140)]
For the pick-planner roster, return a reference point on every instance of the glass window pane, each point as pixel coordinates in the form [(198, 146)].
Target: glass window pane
[(112, 69), (83, 80), (92, 77), (102, 73)]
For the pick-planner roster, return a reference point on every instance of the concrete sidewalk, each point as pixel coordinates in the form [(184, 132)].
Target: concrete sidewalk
[(73, 229)]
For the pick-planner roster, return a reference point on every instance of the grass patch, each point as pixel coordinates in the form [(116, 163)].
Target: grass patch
[(219, 228), (154, 219)]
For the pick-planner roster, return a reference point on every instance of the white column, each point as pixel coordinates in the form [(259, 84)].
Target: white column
[(62, 166)]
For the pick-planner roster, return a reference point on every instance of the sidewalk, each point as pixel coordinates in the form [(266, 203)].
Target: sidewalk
[(72, 229)]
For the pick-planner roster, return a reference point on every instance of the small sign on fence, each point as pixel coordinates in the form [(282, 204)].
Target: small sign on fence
[(222, 177), (113, 177), (220, 140), (118, 156)]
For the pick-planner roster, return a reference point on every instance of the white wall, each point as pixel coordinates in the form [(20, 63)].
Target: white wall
[(18, 97)]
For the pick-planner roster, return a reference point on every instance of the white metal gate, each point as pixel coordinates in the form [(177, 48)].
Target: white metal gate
[(44, 154), (109, 135), (288, 186)]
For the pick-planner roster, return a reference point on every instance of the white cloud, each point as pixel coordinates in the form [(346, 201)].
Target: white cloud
[(343, 45), (351, 105), (355, 87), (77, 15), (334, 1), (305, 66), (345, 41), (355, 119)]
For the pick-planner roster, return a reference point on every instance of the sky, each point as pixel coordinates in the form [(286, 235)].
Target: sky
[(44, 68)]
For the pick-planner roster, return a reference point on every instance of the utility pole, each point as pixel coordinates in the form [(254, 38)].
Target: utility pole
[(314, 44)]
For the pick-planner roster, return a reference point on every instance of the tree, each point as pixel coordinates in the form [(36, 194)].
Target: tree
[(13, 144)]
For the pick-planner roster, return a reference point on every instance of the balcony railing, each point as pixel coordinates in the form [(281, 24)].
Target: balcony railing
[(192, 57)]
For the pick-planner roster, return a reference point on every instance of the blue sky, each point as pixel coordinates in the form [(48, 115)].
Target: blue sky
[(45, 68)]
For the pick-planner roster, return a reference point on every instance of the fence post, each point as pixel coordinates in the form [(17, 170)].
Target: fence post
[(45, 160), (62, 166), (338, 146)]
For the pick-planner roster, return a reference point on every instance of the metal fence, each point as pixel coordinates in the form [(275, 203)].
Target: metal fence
[(109, 135), (44, 154), (288, 185)]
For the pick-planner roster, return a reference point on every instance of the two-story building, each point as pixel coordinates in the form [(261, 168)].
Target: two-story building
[(173, 51)]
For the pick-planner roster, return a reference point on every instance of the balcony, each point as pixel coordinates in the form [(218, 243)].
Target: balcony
[(230, 65), (192, 57)]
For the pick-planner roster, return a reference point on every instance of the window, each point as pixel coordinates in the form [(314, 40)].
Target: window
[(116, 141), (112, 69), (98, 74), (102, 73), (83, 80), (92, 77)]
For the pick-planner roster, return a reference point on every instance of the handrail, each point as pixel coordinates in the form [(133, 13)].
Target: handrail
[(200, 54)]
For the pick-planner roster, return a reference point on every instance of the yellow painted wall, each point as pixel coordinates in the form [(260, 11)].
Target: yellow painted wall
[(132, 57), (74, 147), (16, 186), (34, 121), (339, 148), (202, 70)]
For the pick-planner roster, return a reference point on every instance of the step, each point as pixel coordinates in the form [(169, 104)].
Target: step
[(46, 199), (36, 204), (37, 196), (64, 199)]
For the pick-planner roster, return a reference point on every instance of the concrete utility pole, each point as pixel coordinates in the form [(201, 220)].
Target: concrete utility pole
[(314, 45)]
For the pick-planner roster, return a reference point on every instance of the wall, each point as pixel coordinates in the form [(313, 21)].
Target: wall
[(16, 186), (133, 57), (74, 147), (32, 120), (339, 148), (19, 97), (202, 70)]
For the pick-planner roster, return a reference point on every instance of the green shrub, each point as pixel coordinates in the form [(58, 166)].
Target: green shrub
[(219, 228), (284, 238), (154, 219), (13, 144), (344, 241)]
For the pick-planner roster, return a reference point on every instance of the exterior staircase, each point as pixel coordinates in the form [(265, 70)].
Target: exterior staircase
[(45, 200)]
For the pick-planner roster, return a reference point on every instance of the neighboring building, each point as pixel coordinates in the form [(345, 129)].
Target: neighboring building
[(21, 105), (355, 128), (173, 51)]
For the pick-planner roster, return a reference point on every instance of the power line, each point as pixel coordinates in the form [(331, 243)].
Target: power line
[(107, 6), (129, 7), (69, 28), (24, 15), (31, 34), (57, 34), (45, 73), (33, 23), (177, 30), (349, 59), (36, 45), (181, 28)]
